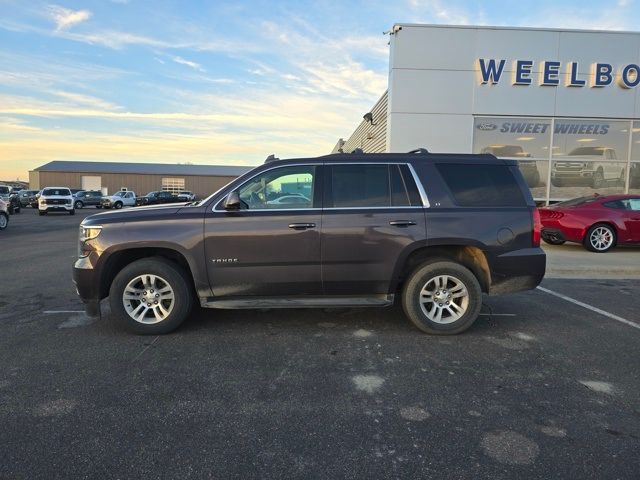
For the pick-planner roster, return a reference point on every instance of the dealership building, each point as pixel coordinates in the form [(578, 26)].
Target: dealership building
[(564, 103), (141, 178)]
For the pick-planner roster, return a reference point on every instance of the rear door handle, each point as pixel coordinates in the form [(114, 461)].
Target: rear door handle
[(302, 226), (401, 223)]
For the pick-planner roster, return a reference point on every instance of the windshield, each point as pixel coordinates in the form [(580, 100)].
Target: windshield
[(56, 191), (580, 151), (4, 190), (576, 201)]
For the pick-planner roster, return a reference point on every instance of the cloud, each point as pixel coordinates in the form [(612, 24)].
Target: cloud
[(436, 12), (188, 63), (65, 18)]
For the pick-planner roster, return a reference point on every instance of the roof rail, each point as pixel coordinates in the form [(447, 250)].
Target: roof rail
[(421, 151), (271, 158), (357, 151)]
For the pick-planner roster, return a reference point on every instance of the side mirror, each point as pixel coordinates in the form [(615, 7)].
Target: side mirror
[(232, 201)]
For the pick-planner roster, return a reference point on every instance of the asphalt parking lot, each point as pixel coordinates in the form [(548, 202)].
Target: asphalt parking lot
[(540, 387)]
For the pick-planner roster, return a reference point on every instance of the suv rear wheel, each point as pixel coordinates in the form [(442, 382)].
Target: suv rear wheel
[(4, 220), (151, 296), (78, 205), (442, 298)]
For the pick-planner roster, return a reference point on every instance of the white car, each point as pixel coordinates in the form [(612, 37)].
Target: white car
[(56, 199), (291, 200), (187, 196), (125, 198), (4, 214)]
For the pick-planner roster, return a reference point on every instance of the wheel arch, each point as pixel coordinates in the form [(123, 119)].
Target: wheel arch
[(470, 256), (608, 222), (118, 259)]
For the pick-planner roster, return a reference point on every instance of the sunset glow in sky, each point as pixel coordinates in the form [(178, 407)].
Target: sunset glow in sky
[(214, 82)]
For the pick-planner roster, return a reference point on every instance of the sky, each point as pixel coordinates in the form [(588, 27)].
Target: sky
[(215, 82)]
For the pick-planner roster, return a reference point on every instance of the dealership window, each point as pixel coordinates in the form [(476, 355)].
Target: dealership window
[(589, 156), (525, 139), (172, 184), (634, 170), (565, 158)]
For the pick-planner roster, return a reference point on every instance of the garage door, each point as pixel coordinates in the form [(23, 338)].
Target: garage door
[(91, 183)]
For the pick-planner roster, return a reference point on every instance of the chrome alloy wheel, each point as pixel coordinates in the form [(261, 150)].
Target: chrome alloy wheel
[(444, 299), (148, 299), (3, 222), (601, 238)]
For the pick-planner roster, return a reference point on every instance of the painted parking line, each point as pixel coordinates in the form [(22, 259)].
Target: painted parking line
[(591, 307), (51, 312), (498, 314)]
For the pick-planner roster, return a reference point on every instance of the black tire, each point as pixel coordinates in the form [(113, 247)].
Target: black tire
[(602, 227), (42, 212), (78, 205), (174, 276), (72, 212), (5, 223), (98, 206), (117, 205), (421, 277), (554, 242), (598, 179)]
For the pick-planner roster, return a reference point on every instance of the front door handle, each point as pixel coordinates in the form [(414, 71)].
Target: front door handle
[(302, 226), (401, 223)]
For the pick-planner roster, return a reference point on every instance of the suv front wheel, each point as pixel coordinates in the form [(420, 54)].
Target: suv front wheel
[(151, 296), (442, 298)]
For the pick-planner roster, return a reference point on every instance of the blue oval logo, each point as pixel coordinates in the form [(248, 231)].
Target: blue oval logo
[(486, 127)]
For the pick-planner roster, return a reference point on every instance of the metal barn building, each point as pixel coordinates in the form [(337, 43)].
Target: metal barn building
[(140, 178)]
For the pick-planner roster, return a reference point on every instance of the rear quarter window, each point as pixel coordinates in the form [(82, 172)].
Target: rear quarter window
[(482, 185)]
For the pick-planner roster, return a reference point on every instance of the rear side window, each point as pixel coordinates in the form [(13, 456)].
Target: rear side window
[(367, 186), (482, 185)]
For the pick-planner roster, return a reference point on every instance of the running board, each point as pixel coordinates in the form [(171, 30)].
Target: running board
[(295, 302)]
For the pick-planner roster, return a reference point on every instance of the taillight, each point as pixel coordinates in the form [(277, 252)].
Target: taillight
[(537, 226)]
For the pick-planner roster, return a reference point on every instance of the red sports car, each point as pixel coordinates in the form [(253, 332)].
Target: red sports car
[(598, 222)]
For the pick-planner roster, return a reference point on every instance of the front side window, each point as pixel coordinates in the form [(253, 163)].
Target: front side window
[(280, 188)]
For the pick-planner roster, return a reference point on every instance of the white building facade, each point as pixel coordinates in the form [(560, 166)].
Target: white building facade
[(564, 103)]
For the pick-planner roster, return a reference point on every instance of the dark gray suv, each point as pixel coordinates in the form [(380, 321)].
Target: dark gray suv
[(430, 231)]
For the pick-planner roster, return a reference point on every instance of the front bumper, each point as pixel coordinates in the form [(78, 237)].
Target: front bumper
[(87, 282), (55, 208)]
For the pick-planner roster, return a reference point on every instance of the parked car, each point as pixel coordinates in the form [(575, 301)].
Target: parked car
[(88, 198), (4, 214), (290, 200), (529, 168), (34, 199), (155, 198), (125, 198), (597, 222), (11, 199), (363, 241), (186, 196), (25, 197), (55, 199), (596, 167)]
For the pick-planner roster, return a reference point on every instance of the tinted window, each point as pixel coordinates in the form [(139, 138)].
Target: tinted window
[(399, 195), (614, 204), (360, 186), (482, 185)]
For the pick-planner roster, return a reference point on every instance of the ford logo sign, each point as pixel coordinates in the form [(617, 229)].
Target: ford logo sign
[(486, 127)]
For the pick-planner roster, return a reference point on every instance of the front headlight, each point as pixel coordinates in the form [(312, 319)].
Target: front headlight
[(89, 233), (86, 234)]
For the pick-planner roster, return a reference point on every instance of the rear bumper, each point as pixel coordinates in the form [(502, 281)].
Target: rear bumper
[(517, 271), (553, 235)]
